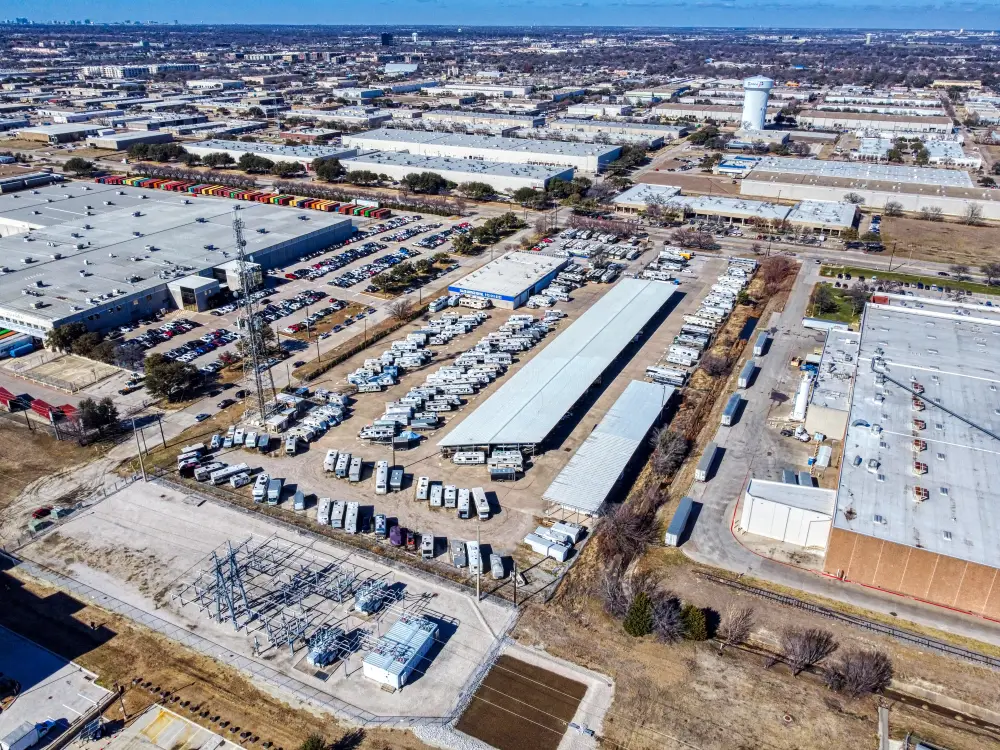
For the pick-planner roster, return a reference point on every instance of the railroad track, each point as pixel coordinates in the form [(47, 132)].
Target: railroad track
[(900, 634)]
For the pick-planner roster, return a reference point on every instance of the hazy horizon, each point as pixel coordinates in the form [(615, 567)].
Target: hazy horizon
[(793, 14)]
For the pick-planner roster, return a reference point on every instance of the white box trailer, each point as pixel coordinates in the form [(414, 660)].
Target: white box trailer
[(351, 519), (761, 344), (381, 477), (260, 488), (482, 504), (423, 488), (330, 462), (354, 473), (464, 503), (679, 522), (572, 530), (731, 412), (337, 514), (323, 511), (677, 359), (684, 351), (223, 475), (469, 457), (343, 465), (706, 465), (697, 320), (450, 496), (475, 558), (436, 495), (746, 374)]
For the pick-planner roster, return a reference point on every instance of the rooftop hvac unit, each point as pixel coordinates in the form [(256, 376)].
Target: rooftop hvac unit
[(39, 283), (137, 213), (37, 305), (137, 233), (55, 256), (27, 259)]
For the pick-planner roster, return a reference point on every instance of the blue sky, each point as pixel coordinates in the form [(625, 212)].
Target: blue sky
[(970, 14)]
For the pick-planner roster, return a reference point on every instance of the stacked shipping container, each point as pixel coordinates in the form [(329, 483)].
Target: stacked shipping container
[(259, 196)]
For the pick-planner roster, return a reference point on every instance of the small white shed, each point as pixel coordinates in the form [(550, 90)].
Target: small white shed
[(790, 513)]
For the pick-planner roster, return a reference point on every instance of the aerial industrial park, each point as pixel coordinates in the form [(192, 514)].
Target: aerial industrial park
[(498, 387)]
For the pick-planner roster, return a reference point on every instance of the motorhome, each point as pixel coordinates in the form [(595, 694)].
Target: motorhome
[(450, 496), (354, 475), (260, 488), (458, 554), (381, 477), (343, 465), (464, 503), (337, 514), (482, 504), (274, 491), (351, 520), (436, 495), (469, 457), (323, 511), (423, 488), (330, 462)]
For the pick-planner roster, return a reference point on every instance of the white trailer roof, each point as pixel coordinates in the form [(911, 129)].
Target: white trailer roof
[(586, 481), (529, 405)]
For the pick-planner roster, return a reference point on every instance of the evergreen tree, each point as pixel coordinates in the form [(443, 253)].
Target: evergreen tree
[(639, 618), (695, 624)]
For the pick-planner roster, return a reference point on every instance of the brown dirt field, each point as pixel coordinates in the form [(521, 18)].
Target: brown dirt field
[(327, 323), (27, 455), (520, 705), (942, 242), (118, 651), (692, 182), (24, 144)]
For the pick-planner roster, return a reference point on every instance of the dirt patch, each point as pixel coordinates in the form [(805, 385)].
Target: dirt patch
[(542, 701), (32, 464), (693, 182), (942, 242), (119, 651)]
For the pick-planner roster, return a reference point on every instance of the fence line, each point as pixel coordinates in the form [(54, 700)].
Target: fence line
[(906, 636)]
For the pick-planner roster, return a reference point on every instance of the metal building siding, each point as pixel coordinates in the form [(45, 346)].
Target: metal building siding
[(590, 476), (529, 405)]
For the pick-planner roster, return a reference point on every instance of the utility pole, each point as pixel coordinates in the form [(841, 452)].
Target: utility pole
[(142, 466), (514, 574), (891, 256), (479, 561), (159, 421)]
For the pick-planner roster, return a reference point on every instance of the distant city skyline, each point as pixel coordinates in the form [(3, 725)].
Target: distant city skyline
[(790, 14)]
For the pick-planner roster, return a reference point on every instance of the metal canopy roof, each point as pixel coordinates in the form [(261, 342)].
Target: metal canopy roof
[(586, 481), (526, 408)]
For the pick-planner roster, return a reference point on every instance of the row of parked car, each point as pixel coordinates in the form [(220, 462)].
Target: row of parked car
[(368, 270), (439, 238), (167, 331), (277, 310), (208, 343)]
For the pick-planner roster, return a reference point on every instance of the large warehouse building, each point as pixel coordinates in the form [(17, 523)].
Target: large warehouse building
[(824, 120), (304, 155), (914, 188), (510, 279), (588, 157), (501, 176), (918, 505), (106, 255), (526, 408)]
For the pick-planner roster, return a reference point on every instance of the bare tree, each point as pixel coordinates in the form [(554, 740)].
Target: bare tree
[(859, 672), (991, 271), (671, 450), (777, 272), (715, 364), (854, 198), (624, 533), (736, 626), (932, 213), (961, 271), (973, 214), (893, 208), (399, 310), (802, 649), (757, 249)]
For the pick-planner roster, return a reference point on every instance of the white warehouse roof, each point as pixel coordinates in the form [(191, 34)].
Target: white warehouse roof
[(509, 275), (529, 405), (591, 474)]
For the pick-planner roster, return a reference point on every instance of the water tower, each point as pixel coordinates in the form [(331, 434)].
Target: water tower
[(756, 92)]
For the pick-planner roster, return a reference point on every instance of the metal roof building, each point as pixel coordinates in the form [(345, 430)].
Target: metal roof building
[(528, 406), (917, 506), (105, 254), (587, 481), (399, 651), (590, 157), (510, 279)]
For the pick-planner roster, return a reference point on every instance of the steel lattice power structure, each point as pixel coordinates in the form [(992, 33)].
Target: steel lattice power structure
[(291, 595), (255, 370)]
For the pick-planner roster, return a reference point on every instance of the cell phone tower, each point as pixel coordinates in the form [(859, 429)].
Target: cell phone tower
[(256, 373)]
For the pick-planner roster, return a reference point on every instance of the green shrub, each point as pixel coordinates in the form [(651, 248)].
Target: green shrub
[(639, 618)]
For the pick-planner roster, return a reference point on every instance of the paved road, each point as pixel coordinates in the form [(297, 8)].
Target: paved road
[(747, 453)]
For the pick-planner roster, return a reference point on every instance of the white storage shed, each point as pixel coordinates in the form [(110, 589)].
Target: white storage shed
[(790, 513)]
